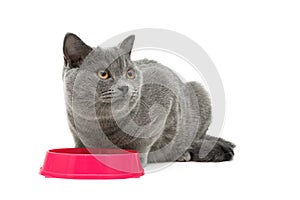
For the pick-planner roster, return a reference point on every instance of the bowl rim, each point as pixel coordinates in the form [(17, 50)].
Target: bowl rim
[(118, 152)]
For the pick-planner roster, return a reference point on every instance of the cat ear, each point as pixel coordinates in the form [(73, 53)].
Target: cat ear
[(75, 50), (127, 44)]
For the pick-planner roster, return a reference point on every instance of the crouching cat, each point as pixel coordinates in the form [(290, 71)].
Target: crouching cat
[(115, 102)]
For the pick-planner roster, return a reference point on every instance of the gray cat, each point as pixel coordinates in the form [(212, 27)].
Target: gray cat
[(114, 102)]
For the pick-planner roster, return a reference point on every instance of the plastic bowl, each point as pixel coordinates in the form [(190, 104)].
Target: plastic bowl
[(82, 163)]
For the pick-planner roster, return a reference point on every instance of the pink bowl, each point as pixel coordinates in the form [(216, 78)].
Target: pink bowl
[(81, 163)]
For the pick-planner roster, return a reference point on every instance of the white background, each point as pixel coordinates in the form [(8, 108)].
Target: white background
[(255, 46)]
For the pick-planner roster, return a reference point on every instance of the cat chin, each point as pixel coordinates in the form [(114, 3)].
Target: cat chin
[(119, 106)]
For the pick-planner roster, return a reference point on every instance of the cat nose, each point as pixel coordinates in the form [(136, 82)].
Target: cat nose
[(123, 89)]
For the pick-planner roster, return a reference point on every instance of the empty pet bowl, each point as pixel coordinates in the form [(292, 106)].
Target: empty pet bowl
[(82, 163)]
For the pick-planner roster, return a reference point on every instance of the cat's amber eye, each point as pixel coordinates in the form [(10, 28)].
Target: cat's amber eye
[(130, 74), (103, 74)]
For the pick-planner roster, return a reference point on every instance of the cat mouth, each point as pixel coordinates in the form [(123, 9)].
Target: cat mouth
[(106, 100)]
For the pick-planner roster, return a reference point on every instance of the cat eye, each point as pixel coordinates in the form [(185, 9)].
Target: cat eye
[(130, 74), (103, 74)]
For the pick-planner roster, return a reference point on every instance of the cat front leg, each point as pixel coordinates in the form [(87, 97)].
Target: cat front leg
[(143, 150), (144, 159)]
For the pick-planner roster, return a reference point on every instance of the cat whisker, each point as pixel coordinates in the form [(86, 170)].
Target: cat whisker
[(107, 97), (107, 93)]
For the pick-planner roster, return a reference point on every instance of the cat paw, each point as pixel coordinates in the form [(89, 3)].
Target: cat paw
[(185, 157), (215, 151), (226, 142)]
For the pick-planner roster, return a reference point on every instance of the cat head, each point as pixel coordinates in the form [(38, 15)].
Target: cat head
[(108, 73)]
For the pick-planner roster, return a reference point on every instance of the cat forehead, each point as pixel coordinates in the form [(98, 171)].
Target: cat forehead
[(108, 55), (103, 57)]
